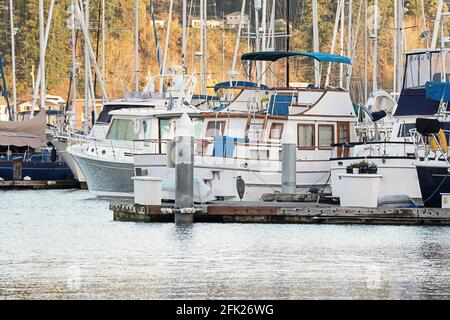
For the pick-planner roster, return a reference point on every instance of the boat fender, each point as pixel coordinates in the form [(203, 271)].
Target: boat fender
[(441, 139), (53, 155)]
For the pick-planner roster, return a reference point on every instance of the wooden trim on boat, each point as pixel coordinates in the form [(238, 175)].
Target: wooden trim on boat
[(243, 115)]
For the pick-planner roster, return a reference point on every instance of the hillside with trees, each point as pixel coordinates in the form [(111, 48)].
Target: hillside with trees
[(119, 46)]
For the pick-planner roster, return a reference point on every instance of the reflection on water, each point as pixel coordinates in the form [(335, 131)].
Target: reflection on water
[(64, 245)]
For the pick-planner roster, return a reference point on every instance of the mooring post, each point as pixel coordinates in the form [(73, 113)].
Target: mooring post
[(289, 161), (184, 167)]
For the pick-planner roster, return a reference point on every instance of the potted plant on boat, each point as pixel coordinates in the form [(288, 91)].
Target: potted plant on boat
[(353, 168), (363, 167), (373, 168), (264, 102)]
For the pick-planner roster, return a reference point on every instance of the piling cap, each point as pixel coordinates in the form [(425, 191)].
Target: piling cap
[(289, 136), (185, 126)]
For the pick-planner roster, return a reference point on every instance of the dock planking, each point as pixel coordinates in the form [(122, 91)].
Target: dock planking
[(284, 213)]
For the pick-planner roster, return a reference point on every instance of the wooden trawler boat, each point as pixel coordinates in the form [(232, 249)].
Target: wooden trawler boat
[(242, 138)]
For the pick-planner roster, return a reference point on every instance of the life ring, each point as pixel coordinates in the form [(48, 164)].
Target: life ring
[(441, 139)]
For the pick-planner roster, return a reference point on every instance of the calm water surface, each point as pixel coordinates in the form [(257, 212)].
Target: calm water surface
[(64, 245)]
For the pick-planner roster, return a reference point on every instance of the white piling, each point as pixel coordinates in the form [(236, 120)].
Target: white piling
[(289, 161), (184, 164)]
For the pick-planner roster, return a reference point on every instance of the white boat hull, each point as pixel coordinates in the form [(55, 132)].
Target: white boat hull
[(61, 146)]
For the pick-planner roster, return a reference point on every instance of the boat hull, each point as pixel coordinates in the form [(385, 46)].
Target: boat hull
[(61, 147), (37, 171), (434, 180), (107, 178)]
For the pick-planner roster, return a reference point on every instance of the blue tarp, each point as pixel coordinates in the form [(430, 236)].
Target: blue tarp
[(438, 91), (238, 84), (279, 105), (277, 55), (221, 107), (224, 146)]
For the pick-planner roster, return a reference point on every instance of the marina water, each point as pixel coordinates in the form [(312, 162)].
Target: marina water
[(65, 245)]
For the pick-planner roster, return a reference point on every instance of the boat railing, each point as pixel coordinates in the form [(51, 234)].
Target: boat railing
[(11, 156), (251, 150), (430, 146), (372, 149)]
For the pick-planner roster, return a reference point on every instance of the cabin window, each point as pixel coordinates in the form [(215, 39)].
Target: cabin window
[(326, 135), (404, 130), (343, 138), (121, 129), (276, 131), (254, 130), (215, 129), (343, 132), (147, 129), (306, 136), (165, 129), (198, 124)]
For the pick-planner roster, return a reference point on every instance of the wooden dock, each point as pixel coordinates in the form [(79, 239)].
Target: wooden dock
[(23, 184), (283, 213)]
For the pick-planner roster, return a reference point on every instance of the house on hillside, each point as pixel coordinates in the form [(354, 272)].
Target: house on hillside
[(160, 24), (232, 20), (212, 24), (52, 103)]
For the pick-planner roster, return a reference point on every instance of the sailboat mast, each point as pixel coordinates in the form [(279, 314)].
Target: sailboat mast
[(136, 43), (183, 53), (366, 53), (38, 80), (202, 74), (341, 67), (87, 73), (437, 24), (205, 46), (103, 41), (74, 67), (13, 58), (264, 38), (316, 41), (375, 49), (41, 52), (288, 40), (400, 11), (238, 39), (333, 42), (349, 39), (257, 38)]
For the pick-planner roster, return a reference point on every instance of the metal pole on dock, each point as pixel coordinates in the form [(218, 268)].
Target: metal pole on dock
[(184, 170), (289, 162)]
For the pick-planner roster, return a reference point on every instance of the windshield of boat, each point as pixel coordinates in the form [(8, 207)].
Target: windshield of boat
[(121, 129), (405, 128), (424, 67)]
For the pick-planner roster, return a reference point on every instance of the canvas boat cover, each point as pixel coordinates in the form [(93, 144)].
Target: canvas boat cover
[(438, 91), (24, 133), (273, 56)]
